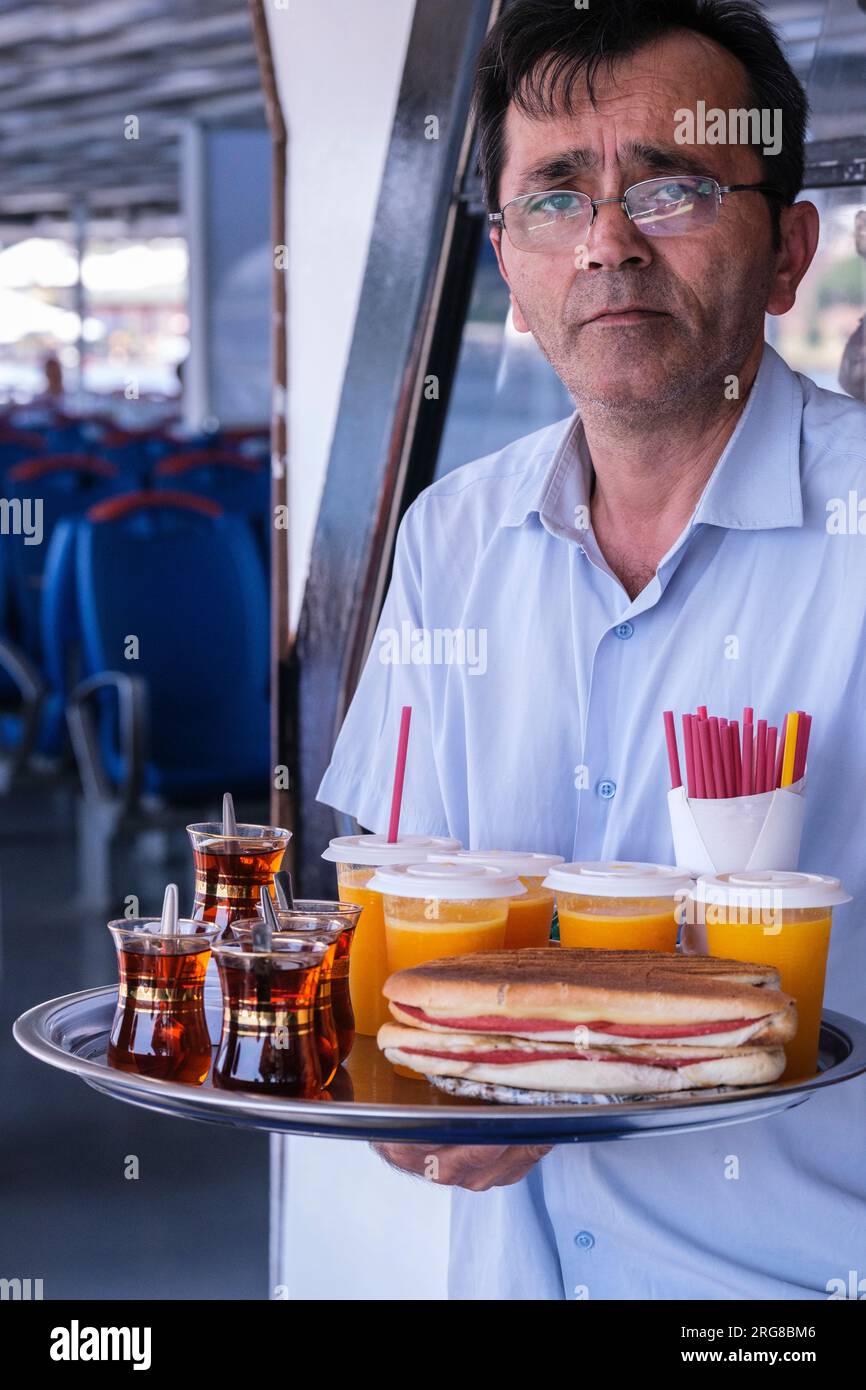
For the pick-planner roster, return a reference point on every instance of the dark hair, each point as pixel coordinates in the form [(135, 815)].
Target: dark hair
[(538, 48)]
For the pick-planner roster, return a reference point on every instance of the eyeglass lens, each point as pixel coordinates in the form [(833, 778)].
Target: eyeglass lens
[(660, 207)]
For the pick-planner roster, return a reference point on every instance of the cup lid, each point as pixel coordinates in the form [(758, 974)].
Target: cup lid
[(770, 888), (597, 879), (375, 849), (446, 880), (524, 863)]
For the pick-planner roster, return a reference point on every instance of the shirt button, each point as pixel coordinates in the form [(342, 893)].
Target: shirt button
[(607, 789), (624, 631), (585, 1240)]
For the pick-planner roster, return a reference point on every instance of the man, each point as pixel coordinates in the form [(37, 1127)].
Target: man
[(667, 546)]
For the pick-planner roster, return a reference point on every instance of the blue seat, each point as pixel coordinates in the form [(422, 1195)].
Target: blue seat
[(8, 688), (239, 483), (189, 714), (65, 485), (60, 637), (22, 694), (136, 452), (17, 445)]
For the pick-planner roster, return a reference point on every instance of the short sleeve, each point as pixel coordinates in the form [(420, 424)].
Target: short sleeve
[(360, 776)]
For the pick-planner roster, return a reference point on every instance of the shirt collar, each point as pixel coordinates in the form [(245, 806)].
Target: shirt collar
[(754, 486)]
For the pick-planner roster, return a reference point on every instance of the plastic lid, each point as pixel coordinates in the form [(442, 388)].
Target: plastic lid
[(620, 880), (375, 849), (446, 880), (521, 862), (770, 888)]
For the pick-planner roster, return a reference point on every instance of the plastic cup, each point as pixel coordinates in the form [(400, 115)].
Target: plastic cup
[(530, 916), (782, 919), (619, 906), (357, 857), (440, 909)]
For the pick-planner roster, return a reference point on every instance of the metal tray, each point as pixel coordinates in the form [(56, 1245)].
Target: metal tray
[(369, 1101)]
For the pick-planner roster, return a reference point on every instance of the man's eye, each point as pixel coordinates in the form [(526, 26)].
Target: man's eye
[(555, 203), (674, 193)]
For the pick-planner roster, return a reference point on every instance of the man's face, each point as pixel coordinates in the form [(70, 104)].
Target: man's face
[(700, 298)]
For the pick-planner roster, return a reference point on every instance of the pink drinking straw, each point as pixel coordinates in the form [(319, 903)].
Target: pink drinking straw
[(772, 735), (761, 757), (707, 757), (804, 728), (691, 784), (700, 785), (399, 774), (727, 760), (702, 711), (716, 755), (673, 755), (747, 779), (734, 736), (734, 752)]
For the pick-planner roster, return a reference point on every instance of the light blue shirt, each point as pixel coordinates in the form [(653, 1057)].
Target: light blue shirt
[(761, 601)]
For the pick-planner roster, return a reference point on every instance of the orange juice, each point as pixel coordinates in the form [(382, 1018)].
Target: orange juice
[(781, 919), (799, 953), (530, 917), (457, 928), (530, 914), (356, 858), (368, 963), (619, 906), (618, 924), (434, 910)]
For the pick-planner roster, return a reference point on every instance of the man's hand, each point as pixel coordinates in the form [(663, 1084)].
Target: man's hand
[(476, 1167)]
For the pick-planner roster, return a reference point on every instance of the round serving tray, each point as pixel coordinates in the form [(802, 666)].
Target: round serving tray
[(369, 1101)]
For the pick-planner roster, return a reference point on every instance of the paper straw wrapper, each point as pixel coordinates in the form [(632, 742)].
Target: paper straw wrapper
[(721, 835)]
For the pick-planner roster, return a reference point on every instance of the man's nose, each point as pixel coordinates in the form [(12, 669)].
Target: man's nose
[(614, 241)]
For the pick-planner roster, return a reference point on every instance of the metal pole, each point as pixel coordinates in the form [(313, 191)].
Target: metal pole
[(196, 381), (79, 228), (282, 705)]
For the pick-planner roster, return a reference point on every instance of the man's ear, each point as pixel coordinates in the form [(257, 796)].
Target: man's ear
[(516, 313), (800, 228)]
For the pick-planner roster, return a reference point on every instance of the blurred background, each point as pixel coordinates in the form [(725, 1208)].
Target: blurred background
[(136, 289), (224, 226)]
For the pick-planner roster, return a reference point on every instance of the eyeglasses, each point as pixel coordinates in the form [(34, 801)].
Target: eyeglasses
[(672, 206)]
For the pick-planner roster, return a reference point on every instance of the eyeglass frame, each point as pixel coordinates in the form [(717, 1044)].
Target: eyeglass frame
[(497, 219)]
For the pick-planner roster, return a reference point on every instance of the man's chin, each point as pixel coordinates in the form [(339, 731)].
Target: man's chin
[(630, 398)]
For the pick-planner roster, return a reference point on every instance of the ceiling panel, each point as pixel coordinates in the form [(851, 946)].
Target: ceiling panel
[(73, 71)]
